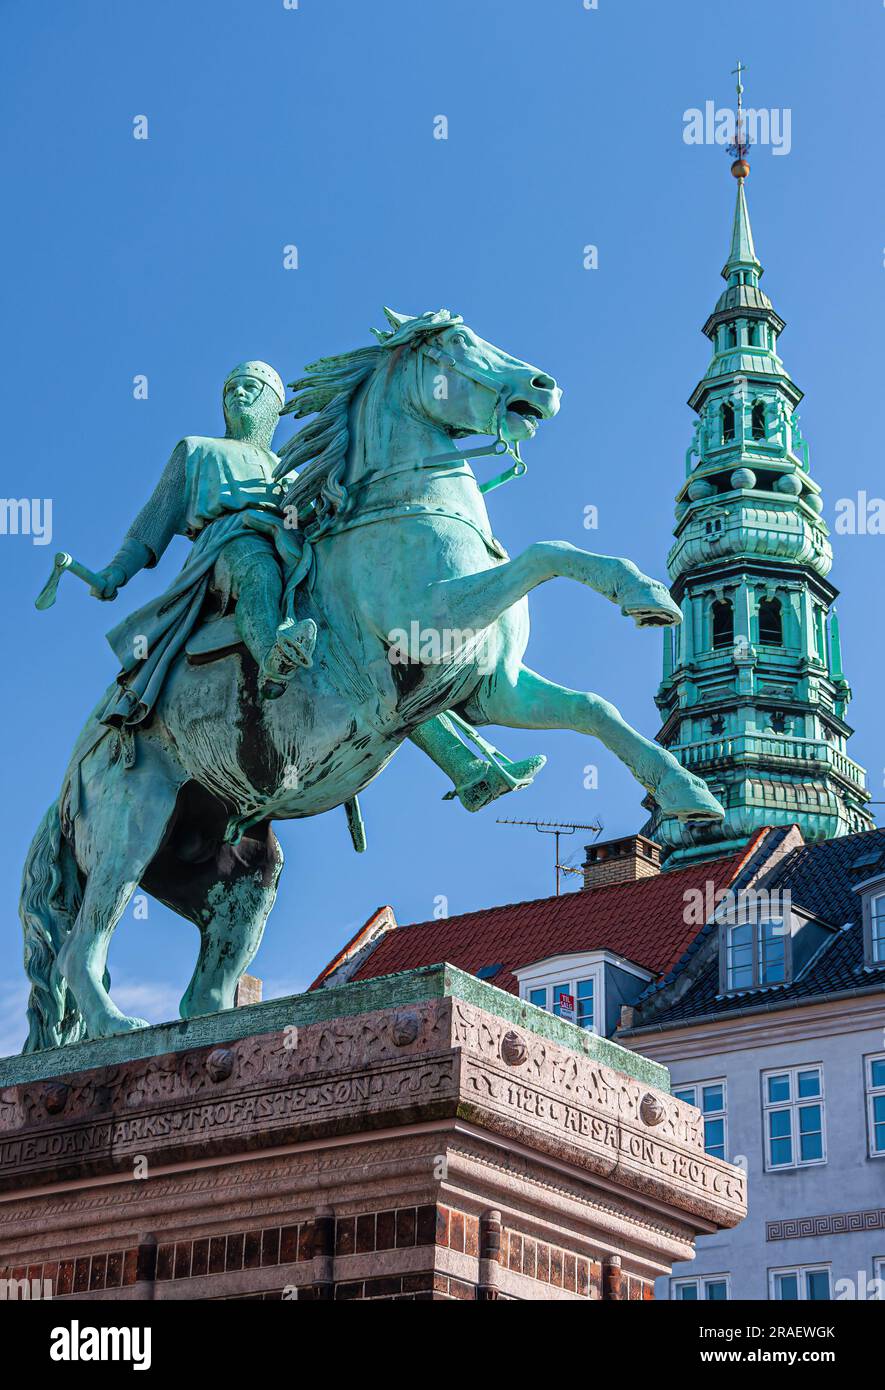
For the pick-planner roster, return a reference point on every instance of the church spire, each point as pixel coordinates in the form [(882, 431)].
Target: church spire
[(742, 267), (753, 696), (742, 260)]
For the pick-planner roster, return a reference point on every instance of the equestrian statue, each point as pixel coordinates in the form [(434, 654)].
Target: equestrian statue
[(338, 598)]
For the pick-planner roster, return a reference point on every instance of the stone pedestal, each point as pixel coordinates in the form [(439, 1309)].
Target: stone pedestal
[(419, 1136)]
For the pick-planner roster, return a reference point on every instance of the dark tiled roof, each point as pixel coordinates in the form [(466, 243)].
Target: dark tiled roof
[(644, 922), (821, 879)]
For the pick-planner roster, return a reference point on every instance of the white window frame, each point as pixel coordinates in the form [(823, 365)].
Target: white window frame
[(571, 977), (872, 1092), (700, 1282), (756, 928), (800, 1272), (793, 1105), (877, 957), (697, 1087)]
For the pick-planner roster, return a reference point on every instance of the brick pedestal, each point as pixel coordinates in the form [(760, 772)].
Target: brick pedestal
[(422, 1136)]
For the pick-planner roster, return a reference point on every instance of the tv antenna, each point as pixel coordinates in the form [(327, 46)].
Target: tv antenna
[(556, 829)]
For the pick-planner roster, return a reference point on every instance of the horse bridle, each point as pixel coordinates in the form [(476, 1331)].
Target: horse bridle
[(501, 446)]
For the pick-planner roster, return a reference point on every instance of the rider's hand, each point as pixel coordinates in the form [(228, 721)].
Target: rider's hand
[(110, 579)]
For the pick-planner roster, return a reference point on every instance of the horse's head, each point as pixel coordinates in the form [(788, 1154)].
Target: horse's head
[(429, 375), (469, 386)]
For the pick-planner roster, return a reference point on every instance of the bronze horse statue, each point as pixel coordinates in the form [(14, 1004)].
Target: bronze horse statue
[(400, 548)]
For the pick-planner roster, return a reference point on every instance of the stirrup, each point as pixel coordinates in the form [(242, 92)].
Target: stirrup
[(292, 651), (493, 779)]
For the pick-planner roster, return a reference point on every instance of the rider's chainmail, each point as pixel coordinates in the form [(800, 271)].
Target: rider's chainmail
[(163, 515)]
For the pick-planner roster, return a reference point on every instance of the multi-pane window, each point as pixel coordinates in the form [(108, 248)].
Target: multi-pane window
[(793, 1110), (583, 992), (756, 953), (713, 1287), (875, 1067), (584, 1004), (709, 1097), (558, 992), (804, 1282), (877, 925)]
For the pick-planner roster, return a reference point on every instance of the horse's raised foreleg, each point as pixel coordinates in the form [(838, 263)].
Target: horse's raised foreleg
[(531, 702), (475, 601)]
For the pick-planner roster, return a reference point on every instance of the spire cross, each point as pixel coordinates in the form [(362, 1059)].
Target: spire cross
[(741, 145)]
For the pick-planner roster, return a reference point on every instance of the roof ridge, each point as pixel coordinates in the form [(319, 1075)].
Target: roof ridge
[(668, 877)]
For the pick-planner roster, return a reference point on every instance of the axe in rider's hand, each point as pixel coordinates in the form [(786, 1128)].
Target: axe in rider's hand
[(63, 561)]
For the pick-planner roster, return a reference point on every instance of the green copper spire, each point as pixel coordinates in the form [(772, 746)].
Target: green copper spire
[(753, 696), (742, 261)]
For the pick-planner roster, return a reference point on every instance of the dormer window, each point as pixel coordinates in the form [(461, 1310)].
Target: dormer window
[(575, 987), (872, 890), (756, 954), (573, 1000)]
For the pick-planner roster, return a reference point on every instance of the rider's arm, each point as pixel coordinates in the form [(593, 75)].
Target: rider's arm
[(159, 520)]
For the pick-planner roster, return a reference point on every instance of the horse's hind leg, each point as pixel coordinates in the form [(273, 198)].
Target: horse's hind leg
[(229, 896)]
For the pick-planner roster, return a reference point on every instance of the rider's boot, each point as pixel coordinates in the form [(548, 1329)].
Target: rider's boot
[(478, 780), (292, 650), (280, 648)]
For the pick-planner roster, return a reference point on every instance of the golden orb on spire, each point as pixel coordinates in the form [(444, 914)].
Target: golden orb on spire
[(740, 168)]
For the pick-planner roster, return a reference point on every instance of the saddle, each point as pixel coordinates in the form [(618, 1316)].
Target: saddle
[(214, 639)]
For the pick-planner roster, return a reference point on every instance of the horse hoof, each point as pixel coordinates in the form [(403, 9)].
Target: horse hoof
[(649, 604), (681, 794), (109, 1027), (647, 617)]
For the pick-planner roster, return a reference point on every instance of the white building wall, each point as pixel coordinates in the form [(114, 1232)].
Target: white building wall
[(837, 1036)]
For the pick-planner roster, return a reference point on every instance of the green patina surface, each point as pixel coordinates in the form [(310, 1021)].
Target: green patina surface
[(385, 992), (753, 695), (221, 721)]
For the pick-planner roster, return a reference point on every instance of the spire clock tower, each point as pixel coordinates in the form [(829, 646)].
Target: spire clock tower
[(753, 696)]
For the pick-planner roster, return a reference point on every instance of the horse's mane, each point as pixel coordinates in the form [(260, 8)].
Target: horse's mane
[(326, 391)]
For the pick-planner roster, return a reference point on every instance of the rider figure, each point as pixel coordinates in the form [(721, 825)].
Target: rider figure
[(214, 491), (207, 481)]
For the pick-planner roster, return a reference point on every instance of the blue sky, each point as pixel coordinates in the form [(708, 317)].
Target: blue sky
[(314, 127)]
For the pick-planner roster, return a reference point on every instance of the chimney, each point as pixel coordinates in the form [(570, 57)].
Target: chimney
[(621, 861)]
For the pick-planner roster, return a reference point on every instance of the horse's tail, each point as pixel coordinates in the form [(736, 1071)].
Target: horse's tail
[(50, 900)]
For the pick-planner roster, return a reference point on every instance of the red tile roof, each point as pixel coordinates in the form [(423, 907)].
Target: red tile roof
[(644, 922)]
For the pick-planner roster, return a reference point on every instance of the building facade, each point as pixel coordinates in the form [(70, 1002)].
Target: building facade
[(758, 979), (775, 1029)]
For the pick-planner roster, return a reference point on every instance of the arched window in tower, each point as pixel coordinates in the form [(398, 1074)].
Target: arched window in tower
[(727, 423), (723, 623), (771, 623), (758, 419), (731, 335)]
